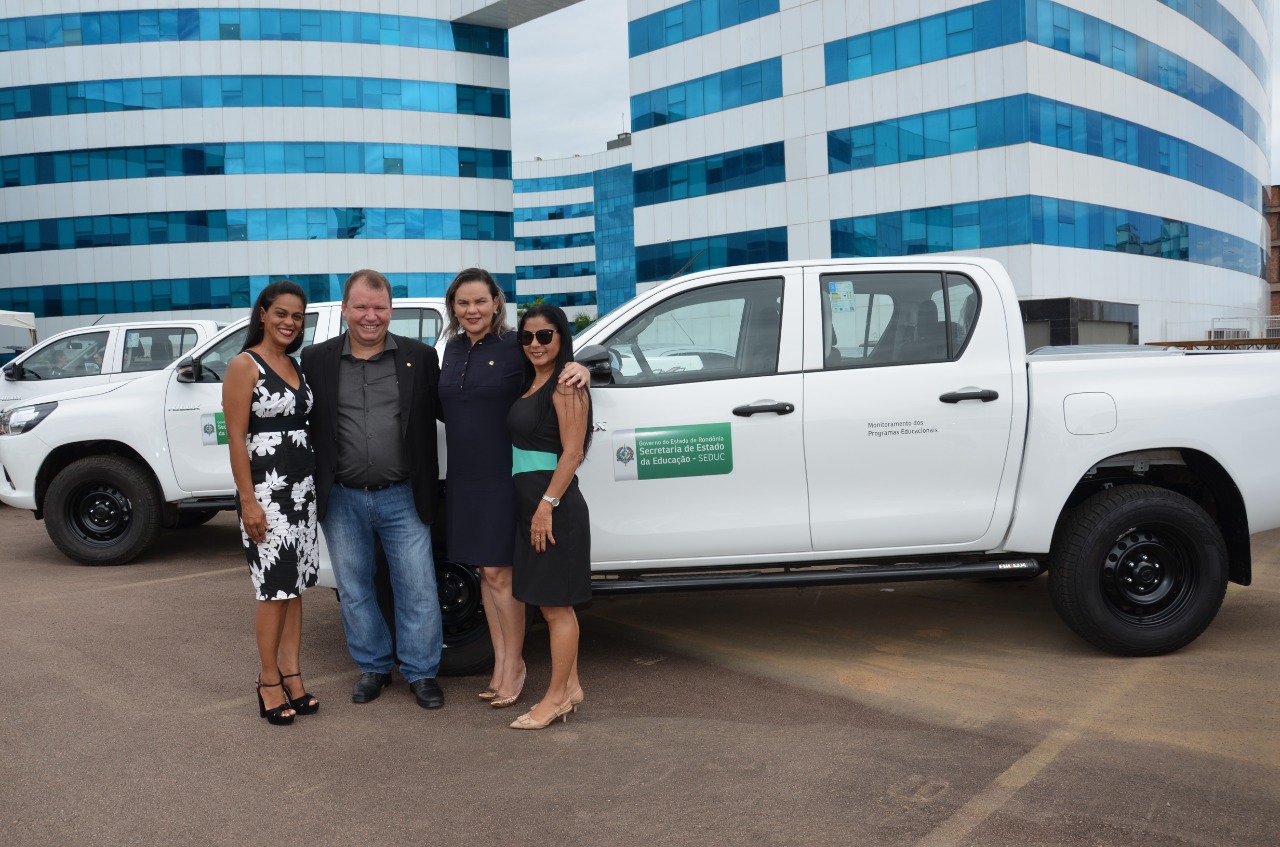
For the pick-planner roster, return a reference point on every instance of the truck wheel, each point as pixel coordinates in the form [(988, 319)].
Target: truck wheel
[(103, 510), (467, 649), (1138, 570), (190, 520)]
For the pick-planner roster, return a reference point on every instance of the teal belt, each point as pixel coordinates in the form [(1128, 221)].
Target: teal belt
[(523, 461)]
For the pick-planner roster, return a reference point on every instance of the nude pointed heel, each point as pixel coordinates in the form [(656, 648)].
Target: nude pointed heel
[(503, 702), (527, 722)]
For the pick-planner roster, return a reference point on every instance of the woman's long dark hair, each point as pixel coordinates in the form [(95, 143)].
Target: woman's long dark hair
[(555, 316), (268, 296)]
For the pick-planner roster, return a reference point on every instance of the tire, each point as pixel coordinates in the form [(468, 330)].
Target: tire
[(103, 510), (467, 648), (191, 520), (1138, 570)]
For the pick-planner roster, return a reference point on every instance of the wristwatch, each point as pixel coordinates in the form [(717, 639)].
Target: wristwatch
[(554, 501)]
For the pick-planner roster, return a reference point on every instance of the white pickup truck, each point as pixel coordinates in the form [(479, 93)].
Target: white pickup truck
[(114, 463), (92, 355), (812, 424)]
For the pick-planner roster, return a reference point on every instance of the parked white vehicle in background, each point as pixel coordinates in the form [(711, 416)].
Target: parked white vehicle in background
[(92, 355), (837, 422), (116, 462)]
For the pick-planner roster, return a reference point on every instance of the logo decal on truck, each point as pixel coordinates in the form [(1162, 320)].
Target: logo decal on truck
[(667, 452), (213, 429)]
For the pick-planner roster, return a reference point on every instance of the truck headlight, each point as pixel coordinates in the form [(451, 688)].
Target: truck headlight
[(24, 418)]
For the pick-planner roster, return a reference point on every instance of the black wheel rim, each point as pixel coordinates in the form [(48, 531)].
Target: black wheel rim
[(1149, 576), (99, 513), (461, 606)]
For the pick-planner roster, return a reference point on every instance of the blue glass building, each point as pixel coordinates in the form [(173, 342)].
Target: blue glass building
[(168, 159), (177, 159), (574, 225), (1118, 159)]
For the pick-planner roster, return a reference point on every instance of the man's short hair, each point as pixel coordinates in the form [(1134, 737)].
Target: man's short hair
[(373, 279)]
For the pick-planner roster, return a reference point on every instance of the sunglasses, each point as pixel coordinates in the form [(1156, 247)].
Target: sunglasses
[(544, 336)]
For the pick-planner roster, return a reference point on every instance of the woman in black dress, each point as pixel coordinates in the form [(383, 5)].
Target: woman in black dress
[(480, 377), (550, 432), (265, 402)]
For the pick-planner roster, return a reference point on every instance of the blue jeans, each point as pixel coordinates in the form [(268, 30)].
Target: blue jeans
[(353, 518)]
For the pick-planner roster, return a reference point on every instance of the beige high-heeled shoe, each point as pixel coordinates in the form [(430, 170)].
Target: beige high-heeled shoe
[(526, 720), (503, 702), (576, 698)]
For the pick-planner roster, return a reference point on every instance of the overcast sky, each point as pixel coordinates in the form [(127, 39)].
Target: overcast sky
[(569, 90)]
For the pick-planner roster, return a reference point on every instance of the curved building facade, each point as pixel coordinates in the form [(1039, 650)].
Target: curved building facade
[(178, 159), (1114, 152), (574, 223), (174, 159)]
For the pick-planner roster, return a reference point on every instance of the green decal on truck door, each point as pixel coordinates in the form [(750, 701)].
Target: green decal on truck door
[(673, 451), (213, 429)]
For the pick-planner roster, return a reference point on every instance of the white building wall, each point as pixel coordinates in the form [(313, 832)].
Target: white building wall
[(1175, 297), (273, 259), (550, 168)]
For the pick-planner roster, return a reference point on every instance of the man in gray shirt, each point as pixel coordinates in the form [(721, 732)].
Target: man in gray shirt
[(374, 433)]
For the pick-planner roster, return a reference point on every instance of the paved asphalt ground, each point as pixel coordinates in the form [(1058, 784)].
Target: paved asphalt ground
[(936, 714)]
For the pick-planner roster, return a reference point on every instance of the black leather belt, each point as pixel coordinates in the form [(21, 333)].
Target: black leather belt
[(381, 487)]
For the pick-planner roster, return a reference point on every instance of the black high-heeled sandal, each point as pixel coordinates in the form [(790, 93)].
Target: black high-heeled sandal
[(304, 703), (275, 716)]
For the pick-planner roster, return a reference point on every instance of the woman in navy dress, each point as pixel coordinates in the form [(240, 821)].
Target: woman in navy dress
[(480, 378), (265, 402)]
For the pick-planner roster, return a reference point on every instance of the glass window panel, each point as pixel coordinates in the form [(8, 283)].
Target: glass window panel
[(78, 355)]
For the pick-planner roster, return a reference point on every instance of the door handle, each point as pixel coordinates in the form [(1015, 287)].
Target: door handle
[(986, 395), (764, 406)]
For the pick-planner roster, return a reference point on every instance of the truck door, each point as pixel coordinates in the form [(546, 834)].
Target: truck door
[(697, 446), (150, 348), (908, 409), (193, 422), (193, 418)]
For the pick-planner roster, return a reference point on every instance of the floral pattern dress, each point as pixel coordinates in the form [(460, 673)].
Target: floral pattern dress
[(283, 470)]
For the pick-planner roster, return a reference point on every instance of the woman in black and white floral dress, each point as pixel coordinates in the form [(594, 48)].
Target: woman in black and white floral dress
[(266, 402)]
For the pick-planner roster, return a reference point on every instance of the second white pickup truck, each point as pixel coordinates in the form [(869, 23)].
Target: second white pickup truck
[(98, 354), (806, 424)]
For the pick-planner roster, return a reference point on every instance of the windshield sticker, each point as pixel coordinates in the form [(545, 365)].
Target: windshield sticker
[(840, 293), (213, 429), (673, 451)]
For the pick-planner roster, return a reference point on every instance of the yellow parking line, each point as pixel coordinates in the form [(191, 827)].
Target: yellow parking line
[(62, 595), (957, 828), (198, 575), (313, 684)]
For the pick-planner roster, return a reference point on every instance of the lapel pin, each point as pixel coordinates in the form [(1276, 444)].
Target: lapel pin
[(408, 364), (491, 361)]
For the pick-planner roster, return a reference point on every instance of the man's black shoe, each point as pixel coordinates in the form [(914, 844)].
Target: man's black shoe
[(427, 692), (369, 686)]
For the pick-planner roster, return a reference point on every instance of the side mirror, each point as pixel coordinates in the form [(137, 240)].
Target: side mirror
[(189, 369), (596, 360), (14, 372)]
